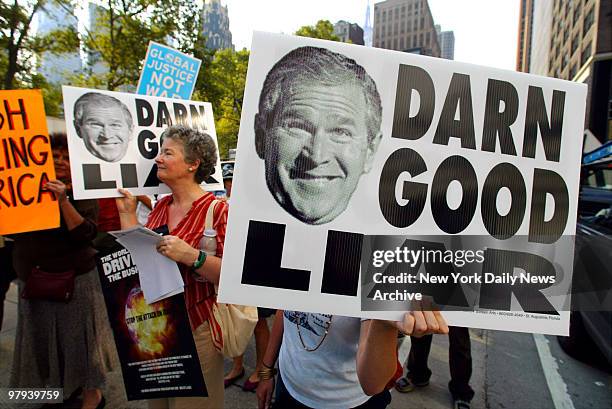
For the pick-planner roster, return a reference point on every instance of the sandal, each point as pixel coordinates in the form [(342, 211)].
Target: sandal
[(230, 381)]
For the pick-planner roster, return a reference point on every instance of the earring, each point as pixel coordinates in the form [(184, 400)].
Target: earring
[(191, 169)]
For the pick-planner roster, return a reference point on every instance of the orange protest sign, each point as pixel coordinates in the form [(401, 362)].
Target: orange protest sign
[(26, 164)]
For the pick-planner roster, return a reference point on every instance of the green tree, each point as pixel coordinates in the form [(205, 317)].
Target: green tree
[(223, 86), (19, 45), (119, 36), (324, 30)]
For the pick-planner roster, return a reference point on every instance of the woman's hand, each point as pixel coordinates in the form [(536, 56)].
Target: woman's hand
[(126, 204), (58, 188), (176, 249), (264, 393)]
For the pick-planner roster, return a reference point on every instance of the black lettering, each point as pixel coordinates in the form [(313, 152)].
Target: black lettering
[(21, 112), (148, 150), (402, 160), (129, 177), (2, 198), (180, 114), (163, 115), (498, 226), (198, 119), (546, 181), (43, 154), (144, 112), (454, 168), (44, 178), (459, 94), (20, 156), (152, 180), (411, 78), (536, 117), (498, 296), (268, 238), (23, 200), (496, 122), (92, 178), (342, 258)]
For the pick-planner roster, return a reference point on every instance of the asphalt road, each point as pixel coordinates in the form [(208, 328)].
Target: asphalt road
[(510, 370)]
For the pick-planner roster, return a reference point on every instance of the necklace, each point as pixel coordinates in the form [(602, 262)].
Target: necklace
[(326, 327)]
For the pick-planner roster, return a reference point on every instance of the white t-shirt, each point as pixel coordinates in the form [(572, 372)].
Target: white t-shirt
[(327, 377)]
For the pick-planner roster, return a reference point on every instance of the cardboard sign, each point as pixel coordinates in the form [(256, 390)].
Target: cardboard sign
[(348, 153), (113, 138), (154, 341), (168, 73), (26, 164)]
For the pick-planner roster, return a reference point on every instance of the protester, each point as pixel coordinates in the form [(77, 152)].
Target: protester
[(332, 362), (459, 361), (261, 332), (105, 124), (62, 344), (186, 158), (7, 272)]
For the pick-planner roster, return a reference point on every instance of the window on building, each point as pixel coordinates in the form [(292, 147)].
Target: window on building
[(573, 71), (421, 40), (402, 43), (395, 43), (588, 21), (397, 13), (384, 15), (586, 53), (427, 38), (577, 10), (382, 44), (575, 43), (422, 22), (565, 35), (389, 30)]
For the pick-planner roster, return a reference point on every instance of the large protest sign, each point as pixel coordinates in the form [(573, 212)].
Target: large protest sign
[(352, 159), (26, 164), (154, 341), (113, 139), (168, 72)]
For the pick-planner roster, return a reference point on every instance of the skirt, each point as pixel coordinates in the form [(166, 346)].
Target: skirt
[(64, 345)]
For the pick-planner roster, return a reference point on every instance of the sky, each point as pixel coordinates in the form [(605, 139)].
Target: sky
[(485, 30)]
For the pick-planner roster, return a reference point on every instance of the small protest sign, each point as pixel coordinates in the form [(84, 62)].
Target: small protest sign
[(359, 168), (26, 164), (154, 341), (168, 73), (114, 138)]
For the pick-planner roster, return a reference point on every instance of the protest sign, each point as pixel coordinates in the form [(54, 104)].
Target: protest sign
[(168, 73), (26, 164), (154, 341), (113, 139), (354, 161)]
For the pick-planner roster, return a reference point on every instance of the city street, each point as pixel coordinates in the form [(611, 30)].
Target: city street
[(510, 370)]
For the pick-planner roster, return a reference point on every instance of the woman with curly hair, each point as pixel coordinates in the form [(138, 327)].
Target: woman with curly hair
[(187, 157)]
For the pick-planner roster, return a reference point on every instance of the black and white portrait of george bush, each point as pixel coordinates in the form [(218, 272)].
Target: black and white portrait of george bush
[(104, 124), (317, 130)]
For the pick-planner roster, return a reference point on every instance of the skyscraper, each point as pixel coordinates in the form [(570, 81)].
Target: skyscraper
[(446, 39), (367, 28), (349, 31), (215, 25), (571, 40), (405, 25)]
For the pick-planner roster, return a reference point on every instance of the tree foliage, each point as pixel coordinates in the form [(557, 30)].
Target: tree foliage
[(19, 45), (223, 86), (324, 30)]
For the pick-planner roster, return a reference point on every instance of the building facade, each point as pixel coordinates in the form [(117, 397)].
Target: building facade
[(215, 25), (349, 32), (446, 39), (405, 25), (571, 40)]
